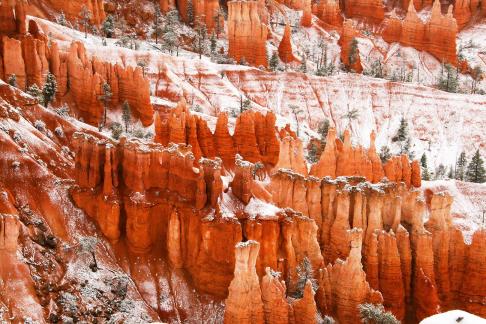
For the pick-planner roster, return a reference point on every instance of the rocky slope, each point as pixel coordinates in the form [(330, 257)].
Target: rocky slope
[(216, 216)]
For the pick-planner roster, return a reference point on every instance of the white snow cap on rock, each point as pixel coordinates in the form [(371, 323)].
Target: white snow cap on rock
[(454, 317)]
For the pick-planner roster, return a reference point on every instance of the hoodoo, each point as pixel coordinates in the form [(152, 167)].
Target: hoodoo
[(260, 162)]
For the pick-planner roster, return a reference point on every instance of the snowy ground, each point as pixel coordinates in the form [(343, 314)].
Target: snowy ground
[(469, 206), (453, 317)]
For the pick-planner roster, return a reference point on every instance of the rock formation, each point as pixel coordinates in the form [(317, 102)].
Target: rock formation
[(12, 17), (247, 35), (349, 47), (343, 286), (345, 160), (244, 303), (328, 11), (285, 47), (372, 10), (306, 20), (30, 59), (437, 36), (72, 9)]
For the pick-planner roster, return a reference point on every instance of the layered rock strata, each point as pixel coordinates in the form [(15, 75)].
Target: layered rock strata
[(436, 36), (247, 35)]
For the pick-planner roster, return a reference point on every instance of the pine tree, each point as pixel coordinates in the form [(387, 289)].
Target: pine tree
[(296, 111), (85, 19), (312, 153), (105, 98), (157, 29), (353, 53), (449, 79), (323, 129), (12, 80), (214, 43), (50, 89), (200, 41), (402, 133), (385, 153), (376, 314), (461, 166), (36, 92), (126, 115), (61, 19), (304, 273), (475, 170), (190, 12), (440, 172), (109, 26), (303, 65), (425, 168), (274, 60)]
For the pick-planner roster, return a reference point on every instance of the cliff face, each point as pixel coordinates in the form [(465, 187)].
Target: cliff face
[(285, 47), (437, 36), (349, 47), (329, 12), (372, 10), (31, 59), (247, 35), (72, 9), (341, 159), (205, 12)]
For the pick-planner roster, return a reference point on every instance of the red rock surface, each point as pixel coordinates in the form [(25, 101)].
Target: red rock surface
[(329, 12), (285, 47), (372, 10), (350, 59), (247, 35), (437, 36)]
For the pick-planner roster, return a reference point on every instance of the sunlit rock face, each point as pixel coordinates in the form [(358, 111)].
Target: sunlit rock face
[(247, 34)]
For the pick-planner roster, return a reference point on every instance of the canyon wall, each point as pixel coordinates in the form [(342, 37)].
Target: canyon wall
[(79, 78), (73, 9), (179, 206), (247, 35), (437, 36)]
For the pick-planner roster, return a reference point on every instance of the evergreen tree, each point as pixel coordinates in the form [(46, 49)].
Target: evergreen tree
[(475, 170), (190, 12), (353, 52), (105, 98), (274, 60), (461, 166), (304, 273), (157, 30), (126, 115), (200, 43), (116, 130), (50, 89), (109, 26), (12, 80), (214, 43), (170, 32), (61, 19), (385, 153), (425, 168), (402, 133), (376, 314), (36, 92), (449, 79), (303, 65), (244, 104), (440, 172), (312, 153), (323, 129), (85, 19), (296, 111)]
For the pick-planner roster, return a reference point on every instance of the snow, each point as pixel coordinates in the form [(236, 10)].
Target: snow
[(468, 205), (263, 210), (454, 317)]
